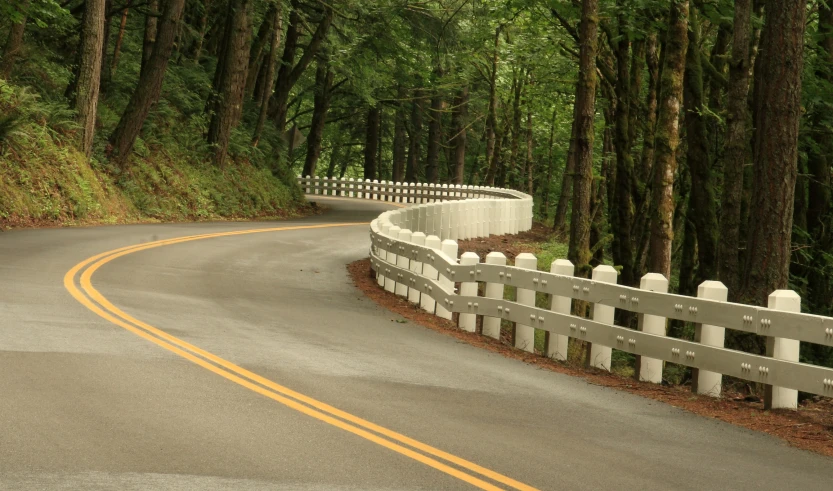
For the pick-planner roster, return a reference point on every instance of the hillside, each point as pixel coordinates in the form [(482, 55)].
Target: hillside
[(45, 179)]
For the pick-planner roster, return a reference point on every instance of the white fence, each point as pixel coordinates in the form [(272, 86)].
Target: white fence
[(414, 253)]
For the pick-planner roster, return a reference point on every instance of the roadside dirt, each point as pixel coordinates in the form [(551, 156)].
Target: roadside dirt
[(809, 428)]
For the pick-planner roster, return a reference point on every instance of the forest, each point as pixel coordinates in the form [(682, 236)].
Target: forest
[(687, 137)]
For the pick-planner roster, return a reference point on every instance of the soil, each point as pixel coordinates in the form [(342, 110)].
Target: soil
[(809, 428)]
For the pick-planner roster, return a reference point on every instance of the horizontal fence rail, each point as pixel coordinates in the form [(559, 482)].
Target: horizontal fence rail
[(414, 254)]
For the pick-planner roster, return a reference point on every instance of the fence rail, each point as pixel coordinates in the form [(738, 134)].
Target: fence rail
[(414, 253)]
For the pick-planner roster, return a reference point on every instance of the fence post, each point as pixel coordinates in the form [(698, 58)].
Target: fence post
[(557, 343), (383, 254), (491, 325), (426, 302), (351, 187), (390, 282), (403, 262), (525, 335), (309, 183), (417, 238), (650, 369), (600, 355), (454, 218), (449, 248), (782, 349), (468, 321), (703, 381)]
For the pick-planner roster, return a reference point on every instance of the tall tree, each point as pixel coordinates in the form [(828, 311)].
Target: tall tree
[(703, 206), (580, 224), (623, 213), (459, 123), (226, 105), (89, 71), (149, 87), (777, 114), (412, 169), (321, 104), (435, 117), (271, 66), (491, 121), (371, 144), (668, 139), (290, 71), (736, 148), (151, 25), (399, 136)]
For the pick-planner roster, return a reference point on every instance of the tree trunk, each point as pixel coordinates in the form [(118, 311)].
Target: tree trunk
[(265, 93), (434, 135), (230, 84), (201, 33), (545, 200), (517, 89), (14, 43), (667, 139), (623, 216), (491, 120), (151, 24), (371, 145), (120, 37), (400, 137), (581, 221), (566, 194), (735, 153), (149, 85), (778, 109), (257, 52), (459, 140), (290, 72), (702, 200), (818, 163), (412, 170), (530, 163), (89, 71), (321, 104)]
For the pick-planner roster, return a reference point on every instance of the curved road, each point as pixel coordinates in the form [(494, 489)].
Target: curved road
[(249, 361)]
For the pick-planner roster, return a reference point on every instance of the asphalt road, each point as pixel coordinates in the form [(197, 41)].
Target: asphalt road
[(86, 403)]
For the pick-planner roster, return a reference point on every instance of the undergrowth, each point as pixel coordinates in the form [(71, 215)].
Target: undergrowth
[(45, 180)]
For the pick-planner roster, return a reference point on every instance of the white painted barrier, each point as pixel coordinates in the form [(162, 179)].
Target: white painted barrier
[(429, 276)]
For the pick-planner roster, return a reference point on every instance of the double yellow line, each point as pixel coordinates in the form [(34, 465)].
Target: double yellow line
[(91, 298)]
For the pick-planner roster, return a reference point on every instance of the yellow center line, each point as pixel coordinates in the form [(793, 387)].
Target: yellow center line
[(239, 375)]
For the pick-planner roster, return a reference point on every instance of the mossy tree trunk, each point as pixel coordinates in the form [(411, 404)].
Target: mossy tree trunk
[(622, 216), (321, 104), (777, 114), (668, 139), (265, 89), (230, 80), (149, 87), (735, 154), (290, 71), (89, 71), (151, 25), (581, 221), (491, 119), (559, 224), (702, 200)]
